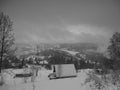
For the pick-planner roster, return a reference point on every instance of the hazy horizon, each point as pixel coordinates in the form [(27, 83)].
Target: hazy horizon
[(63, 21)]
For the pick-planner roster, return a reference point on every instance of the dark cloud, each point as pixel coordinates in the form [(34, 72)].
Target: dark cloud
[(63, 20)]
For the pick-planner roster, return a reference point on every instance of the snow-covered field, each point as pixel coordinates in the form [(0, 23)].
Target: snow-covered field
[(42, 82), (70, 52)]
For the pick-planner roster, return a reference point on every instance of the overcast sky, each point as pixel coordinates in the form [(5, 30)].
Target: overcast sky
[(61, 21)]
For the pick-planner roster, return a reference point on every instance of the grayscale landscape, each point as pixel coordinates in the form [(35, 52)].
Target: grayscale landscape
[(59, 45)]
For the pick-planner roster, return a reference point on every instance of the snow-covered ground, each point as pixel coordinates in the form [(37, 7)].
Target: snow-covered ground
[(42, 82), (70, 52)]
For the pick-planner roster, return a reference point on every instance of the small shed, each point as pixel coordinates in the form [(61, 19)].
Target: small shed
[(64, 70)]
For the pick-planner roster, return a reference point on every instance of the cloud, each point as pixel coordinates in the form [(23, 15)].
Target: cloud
[(93, 30), (90, 33), (53, 33), (62, 34)]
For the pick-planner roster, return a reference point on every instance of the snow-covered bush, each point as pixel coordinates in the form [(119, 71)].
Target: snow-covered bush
[(109, 81), (95, 82)]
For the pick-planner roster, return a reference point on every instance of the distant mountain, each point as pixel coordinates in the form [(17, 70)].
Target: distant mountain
[(32, 48), (23, 48), (79, 46)]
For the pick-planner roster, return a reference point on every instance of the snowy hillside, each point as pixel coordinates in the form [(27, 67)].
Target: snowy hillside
[(70, 52), (42, 82)]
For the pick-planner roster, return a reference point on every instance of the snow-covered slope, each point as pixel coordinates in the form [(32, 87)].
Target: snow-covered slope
[(42, 82), (70, 52)]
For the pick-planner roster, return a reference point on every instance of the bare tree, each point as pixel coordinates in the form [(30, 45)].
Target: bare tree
[(6, 37)]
